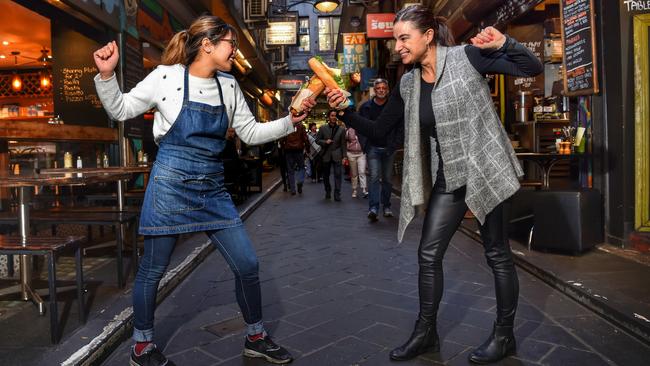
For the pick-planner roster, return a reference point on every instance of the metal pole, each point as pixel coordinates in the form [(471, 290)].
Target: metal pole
[(25, 260)]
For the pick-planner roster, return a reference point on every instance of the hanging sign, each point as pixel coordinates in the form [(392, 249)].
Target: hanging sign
[(380, 25), (282, 33), (354, 52)]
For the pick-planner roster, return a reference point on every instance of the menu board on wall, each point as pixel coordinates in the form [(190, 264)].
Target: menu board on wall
[(531, 36), (579, 45), (73, 70)]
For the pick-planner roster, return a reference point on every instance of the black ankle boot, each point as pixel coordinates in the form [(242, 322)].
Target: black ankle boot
[(500, 344), (423, 339)]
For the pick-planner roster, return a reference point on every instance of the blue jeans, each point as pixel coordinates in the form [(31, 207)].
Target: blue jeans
[(295, 166), (237, 250), (380, 165)]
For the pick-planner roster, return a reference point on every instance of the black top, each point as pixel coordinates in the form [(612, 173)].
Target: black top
[(512, 58)]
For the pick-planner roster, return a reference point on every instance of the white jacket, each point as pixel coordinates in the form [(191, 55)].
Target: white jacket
[(163, 89)]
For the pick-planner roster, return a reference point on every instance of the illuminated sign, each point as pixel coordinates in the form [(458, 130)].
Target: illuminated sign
[(282, 33)]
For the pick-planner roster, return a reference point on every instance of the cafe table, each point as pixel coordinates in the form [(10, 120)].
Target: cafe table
[(546, 162), (25, 183)]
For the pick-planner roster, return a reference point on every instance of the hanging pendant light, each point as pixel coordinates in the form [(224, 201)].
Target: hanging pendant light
[(16, 83), (45, 80), (327, 6)]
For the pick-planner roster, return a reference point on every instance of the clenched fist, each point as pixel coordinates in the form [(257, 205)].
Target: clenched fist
[(489, 39), (106, 59)]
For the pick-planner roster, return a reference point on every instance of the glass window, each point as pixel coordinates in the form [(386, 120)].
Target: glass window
[(328, 30), (304, 26), (304, 43)]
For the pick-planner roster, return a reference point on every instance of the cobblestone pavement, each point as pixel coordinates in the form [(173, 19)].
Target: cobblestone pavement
[(338, 290)]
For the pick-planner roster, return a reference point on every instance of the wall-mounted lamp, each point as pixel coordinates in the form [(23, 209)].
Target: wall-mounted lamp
[(324, 6)]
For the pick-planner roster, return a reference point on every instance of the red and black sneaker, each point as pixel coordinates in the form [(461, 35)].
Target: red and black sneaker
[(151, 356), (267, 349)]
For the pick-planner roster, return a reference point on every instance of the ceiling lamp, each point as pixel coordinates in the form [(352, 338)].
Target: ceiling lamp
[(327, 6)]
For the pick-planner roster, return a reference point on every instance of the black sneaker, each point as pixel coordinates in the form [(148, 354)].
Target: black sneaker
[(267, 349), (299, 188), (151, 356), (372, 215)]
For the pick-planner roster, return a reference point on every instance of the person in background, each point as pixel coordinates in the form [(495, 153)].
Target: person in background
[(196, 102), (357, 160), (294, 150), (332, 138), (314, 154), (456, 156), (380, 152)]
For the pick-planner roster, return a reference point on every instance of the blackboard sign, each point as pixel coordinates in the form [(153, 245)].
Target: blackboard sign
[(579, 47), (508, 11), (531, 36), (73, 70)]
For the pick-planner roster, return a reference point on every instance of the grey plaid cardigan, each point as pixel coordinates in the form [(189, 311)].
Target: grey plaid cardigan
[(475, 148)]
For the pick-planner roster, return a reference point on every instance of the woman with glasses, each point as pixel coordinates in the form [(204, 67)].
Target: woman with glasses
[(196, 102)]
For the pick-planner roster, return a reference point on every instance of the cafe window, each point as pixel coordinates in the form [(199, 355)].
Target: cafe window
[(328, 30), (303, 35)]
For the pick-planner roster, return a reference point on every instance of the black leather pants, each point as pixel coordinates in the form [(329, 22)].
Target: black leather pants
[(443, 217)]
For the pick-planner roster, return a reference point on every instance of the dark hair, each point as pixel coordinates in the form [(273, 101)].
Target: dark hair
[(423, 19), (311, 124), (185, 45), (330, 112)]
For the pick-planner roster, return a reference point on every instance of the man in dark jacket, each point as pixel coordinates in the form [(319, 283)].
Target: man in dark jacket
[(380, 154), (294, 148), (332, 138)]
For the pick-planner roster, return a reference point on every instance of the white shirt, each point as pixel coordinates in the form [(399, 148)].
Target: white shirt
[(163, 89)]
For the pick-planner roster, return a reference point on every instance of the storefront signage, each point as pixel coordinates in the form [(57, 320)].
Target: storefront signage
[(637, 5), (354, 52), (282, 33), (579, 43), (290, 82), (380, 25)]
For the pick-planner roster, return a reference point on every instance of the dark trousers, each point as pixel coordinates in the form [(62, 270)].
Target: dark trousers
[(316, 167), (295, 167), (337, 167), (443, 217)]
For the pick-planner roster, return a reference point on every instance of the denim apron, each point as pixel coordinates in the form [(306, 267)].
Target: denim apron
[(186, 190)]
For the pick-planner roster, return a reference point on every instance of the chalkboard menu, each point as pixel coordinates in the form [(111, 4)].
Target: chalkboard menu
[(73, 70), (531, 36), (579, 46)]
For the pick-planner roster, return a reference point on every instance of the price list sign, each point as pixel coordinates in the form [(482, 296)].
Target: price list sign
[(579, 45)]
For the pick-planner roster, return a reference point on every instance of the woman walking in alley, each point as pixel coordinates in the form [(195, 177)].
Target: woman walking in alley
[(357, 159), (196, 102), (456, 156)]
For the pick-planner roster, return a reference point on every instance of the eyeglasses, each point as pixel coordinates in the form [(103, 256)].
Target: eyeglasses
[(233, 42)]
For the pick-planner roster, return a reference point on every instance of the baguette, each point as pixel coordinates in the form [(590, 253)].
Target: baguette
[(312, 88)]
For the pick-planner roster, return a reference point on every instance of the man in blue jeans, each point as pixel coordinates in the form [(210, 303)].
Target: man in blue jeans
[(380, 154)]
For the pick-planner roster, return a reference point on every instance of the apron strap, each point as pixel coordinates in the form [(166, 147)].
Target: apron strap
[(216, 77), (186, 91)]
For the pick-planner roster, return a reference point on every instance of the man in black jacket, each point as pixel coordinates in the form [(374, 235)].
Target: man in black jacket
[(332, 138), (380, 153)]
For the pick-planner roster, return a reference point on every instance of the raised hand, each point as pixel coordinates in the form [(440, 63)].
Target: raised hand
[(106, 59), (307, 105), (489, 38), (335, 97)]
